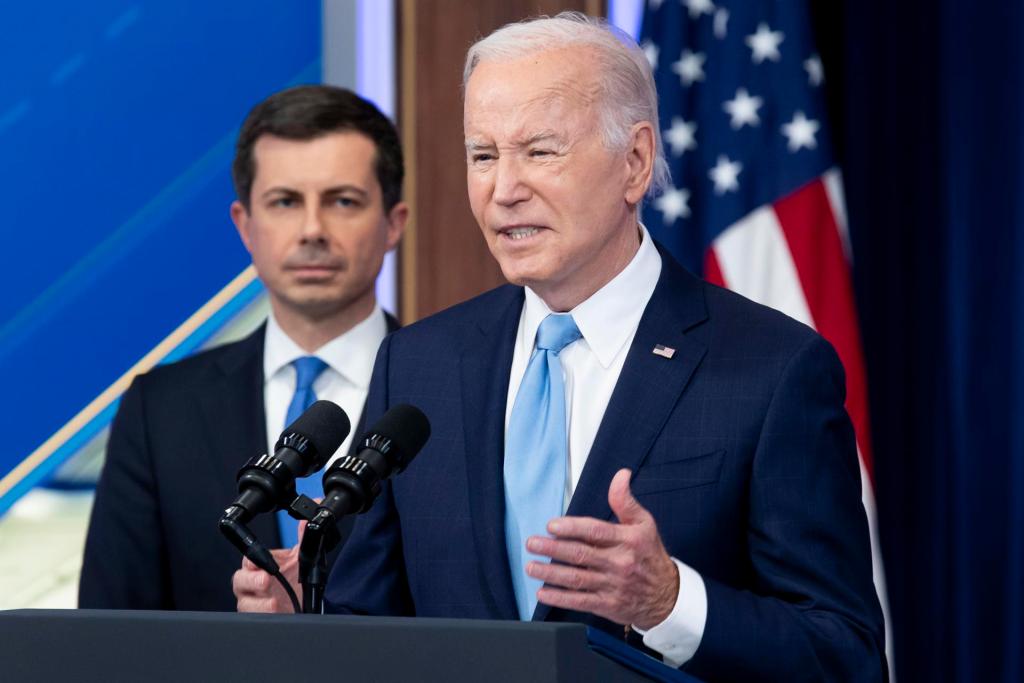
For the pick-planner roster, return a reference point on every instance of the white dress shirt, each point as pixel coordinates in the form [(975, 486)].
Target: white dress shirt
[(345, 381), (608, 321)]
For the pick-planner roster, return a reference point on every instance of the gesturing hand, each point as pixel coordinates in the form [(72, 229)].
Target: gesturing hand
[(617, 571)]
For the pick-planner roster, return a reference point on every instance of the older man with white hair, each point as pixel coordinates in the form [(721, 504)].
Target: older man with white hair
[(680, 453)]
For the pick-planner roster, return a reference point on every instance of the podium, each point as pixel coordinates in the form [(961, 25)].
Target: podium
[(115, 645)]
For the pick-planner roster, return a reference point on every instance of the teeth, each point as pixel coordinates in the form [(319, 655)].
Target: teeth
[(520, 233)]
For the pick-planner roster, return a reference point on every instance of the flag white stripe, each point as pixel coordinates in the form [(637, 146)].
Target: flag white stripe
[(877, 566), (833, 180), (755, 262)]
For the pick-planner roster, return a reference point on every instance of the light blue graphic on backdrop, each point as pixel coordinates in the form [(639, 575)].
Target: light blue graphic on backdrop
[(116, 136), (97, 426)]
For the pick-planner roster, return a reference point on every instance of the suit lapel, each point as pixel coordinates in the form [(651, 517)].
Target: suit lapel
[(485, 365), (234, 417), (359, 430), (648, 389)]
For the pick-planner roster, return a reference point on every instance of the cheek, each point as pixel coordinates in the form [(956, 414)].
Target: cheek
[(363, 243), (595, 200), (269, 240), (262, 249), (568, 189), (477, 191)]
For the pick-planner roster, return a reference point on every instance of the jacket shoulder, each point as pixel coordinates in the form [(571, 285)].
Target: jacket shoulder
[(451, 323), (739, 324), (193, 371)]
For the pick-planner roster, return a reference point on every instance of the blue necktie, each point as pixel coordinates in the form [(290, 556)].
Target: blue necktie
[(307, 369), (536, 454)]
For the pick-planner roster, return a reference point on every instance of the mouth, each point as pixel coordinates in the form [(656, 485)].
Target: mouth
[(313, 271), (518, 233)]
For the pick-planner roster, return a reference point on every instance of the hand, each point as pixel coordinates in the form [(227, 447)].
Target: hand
[(258, 591), (617, 571)]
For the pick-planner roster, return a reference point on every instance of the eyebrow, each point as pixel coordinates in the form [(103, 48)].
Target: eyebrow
[(473, 145), (542, 136), (341, 189), (476, 144), (337, 189)]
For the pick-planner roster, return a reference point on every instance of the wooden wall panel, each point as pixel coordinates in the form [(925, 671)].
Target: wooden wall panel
[(444, 259)]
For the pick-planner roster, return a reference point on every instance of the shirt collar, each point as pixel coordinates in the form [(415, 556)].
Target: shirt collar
[(608, 319), (351, 355)]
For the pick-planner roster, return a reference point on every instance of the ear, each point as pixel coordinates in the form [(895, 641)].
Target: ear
[(240, 217), (397, 219), (639, 162)]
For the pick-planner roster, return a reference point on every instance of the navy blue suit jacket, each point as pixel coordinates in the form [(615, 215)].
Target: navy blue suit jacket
[(740, 448)]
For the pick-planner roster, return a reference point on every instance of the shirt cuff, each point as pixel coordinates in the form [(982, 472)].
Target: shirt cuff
[(677, 638)]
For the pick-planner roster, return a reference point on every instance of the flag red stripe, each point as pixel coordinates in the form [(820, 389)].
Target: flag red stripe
[(712, 269), (813, 236)]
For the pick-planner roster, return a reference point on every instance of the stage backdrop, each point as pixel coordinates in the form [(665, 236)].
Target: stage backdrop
[(117, 128), (932, 103)]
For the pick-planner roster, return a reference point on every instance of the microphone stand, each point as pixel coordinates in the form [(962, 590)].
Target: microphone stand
[(316, 543), (320, 538)]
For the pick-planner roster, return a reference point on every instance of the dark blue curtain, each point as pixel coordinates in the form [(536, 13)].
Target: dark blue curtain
[(928, 99)]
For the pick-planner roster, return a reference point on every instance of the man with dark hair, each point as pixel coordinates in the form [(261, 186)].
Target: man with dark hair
[(318, 174)]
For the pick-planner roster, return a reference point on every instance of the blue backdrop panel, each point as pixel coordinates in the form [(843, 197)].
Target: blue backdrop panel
[(116, 134)]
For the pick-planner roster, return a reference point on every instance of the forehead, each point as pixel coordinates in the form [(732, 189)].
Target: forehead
[(346, 157), (552, 89)]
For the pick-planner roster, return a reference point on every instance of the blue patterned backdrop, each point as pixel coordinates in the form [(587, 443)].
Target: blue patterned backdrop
[(117, 124)]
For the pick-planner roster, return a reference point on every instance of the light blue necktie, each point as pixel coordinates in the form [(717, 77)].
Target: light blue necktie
[(307, 369), (536, 454)]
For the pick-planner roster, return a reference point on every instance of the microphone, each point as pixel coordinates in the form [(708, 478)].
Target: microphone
[(268, 482), (352, 483)]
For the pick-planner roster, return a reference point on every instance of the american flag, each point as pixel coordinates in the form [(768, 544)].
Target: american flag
[(756, 201)]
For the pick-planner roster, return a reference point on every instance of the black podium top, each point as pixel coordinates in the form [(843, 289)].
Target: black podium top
[(97, 645)]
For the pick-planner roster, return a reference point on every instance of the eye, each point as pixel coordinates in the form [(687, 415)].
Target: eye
[(541, 152), (346, 202), (283, 202), (482, 157)]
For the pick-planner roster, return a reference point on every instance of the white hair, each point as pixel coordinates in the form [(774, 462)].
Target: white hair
[(625, 81)]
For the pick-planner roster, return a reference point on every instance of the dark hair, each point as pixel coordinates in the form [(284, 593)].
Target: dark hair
[(307, 112)]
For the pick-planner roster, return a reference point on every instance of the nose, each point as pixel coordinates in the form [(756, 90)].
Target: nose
[(313, 226), (510, 186)]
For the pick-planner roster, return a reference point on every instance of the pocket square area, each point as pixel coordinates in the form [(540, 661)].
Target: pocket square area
[(670, 475)]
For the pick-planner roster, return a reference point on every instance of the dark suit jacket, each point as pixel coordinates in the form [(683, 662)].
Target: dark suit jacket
[(740, 447), (181, 434)]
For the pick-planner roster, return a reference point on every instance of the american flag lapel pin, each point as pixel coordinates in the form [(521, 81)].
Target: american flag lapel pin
[(663, 351)]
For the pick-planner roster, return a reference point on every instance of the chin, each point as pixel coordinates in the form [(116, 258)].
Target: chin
[(318, 304), (517, 276), (524, 271), (533, 280)]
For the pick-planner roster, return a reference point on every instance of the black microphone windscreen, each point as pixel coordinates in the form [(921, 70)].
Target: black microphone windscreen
[(325, 425), (407, 427)]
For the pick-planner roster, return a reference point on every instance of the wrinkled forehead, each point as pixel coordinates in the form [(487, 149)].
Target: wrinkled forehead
[(552, 87)]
